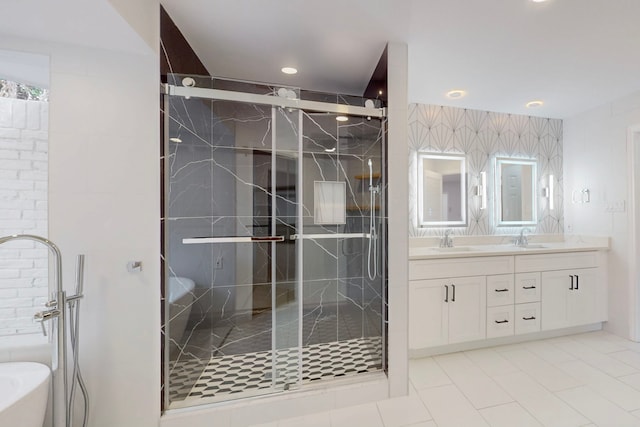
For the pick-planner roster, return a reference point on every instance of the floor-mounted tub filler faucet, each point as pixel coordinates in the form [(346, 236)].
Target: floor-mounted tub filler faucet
[(62, 394), (447, 241), (522, 240)]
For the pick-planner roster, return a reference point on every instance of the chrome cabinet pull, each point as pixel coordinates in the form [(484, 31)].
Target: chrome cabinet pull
[(446, 295), (528, 287), (529, 318), (577, 282), (502, 290), (453, 299), (571, 288), (502, 321)]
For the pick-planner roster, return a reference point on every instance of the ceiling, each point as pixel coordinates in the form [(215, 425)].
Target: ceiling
[(571, 54), (93, 24)]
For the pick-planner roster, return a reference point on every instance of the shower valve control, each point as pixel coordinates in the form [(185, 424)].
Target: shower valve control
[(43, 316)]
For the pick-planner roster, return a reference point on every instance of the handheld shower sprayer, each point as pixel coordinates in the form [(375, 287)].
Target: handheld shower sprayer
[(372, 253)]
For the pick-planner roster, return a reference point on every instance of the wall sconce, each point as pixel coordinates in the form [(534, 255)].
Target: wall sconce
[(481, 190), (549, 192)]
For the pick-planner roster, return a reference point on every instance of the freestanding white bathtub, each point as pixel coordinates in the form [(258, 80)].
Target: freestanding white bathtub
[(24, 390), (180, 295)]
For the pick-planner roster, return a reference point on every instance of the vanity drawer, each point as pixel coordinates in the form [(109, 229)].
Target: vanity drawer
[(557, 261), (459, 267), (500, 290), (500, 321), (527, 287), (527, 318)]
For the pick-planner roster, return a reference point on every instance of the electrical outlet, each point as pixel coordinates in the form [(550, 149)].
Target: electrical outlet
[(219, 263), (617, 206)]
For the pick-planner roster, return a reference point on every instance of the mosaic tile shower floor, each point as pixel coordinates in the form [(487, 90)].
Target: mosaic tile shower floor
[(222, 376)]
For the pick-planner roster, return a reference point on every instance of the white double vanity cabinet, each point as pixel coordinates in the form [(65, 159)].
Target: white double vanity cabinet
[(472, 296)]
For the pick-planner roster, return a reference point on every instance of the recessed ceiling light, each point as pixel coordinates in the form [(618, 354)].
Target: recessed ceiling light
[(289, 70), (342, 118), (538, 1), (534, 104), (457, 93), (175, 139)]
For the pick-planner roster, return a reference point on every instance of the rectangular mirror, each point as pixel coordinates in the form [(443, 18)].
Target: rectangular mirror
[(515, 192), (442, 190)]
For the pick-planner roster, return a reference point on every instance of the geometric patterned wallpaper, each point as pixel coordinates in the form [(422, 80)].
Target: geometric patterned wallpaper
[(482, 136)]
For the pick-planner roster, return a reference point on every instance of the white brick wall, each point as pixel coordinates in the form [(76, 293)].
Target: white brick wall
[(23, 209)]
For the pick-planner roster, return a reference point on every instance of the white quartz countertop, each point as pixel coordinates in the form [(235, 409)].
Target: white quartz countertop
[(474, 247)]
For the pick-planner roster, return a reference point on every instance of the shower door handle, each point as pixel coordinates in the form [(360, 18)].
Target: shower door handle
[(267, 239), (330, 236), (239, 239)]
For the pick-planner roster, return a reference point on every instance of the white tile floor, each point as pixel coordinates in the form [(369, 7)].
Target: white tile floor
[(590, 379)]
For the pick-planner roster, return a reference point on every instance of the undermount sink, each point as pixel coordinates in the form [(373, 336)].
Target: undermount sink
[(454, 249), (533, 246), (24, 390)]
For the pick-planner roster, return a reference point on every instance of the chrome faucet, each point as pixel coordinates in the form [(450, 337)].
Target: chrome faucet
[(447, 241), (522, 240), (56, 311)]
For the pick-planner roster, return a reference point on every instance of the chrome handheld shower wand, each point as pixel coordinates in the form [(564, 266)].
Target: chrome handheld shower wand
[(372, 253)]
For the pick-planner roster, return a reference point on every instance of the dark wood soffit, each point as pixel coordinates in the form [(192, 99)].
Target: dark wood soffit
[(175, 50), (378, 80)]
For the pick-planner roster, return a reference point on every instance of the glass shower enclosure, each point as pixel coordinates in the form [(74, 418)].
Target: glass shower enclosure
[(274, 239)]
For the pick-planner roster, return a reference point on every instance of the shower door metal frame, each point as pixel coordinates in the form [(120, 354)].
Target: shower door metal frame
[(300, 105), (276, 101)]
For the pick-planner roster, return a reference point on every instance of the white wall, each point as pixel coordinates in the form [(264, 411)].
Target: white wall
[(398, 251), (136, 13), (105, 202), (595, 157)]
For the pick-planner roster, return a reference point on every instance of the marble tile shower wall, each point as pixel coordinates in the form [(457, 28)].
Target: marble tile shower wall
[(218, 184), (482, 136), (342, 302)]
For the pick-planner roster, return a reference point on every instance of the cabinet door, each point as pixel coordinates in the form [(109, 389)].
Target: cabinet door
[(467, 309), (554, 301), (569, 298), (428, 313), (583, 304)]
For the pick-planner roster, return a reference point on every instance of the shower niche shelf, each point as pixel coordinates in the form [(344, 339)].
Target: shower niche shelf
[(375, 175)]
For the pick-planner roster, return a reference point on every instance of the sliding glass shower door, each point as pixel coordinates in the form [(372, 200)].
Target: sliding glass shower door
[(267, 227)]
